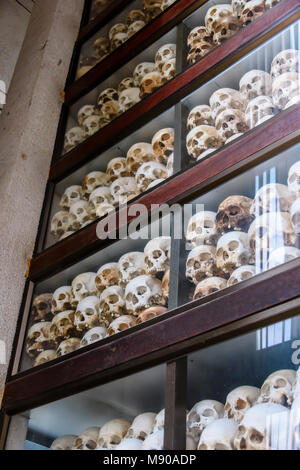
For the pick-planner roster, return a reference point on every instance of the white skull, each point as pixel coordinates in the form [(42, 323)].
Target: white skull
[(87, 440), (258, 108), (252, 10), (154, 441), (141, 70), (241, 274), (198, 33), (202, 138), (92, 124), (141, 426), (93, 180), (149, 172), (226, 98), (286, 61), (116, 168), (202, 230), (62, 326), (112, 433), (63, 443), (295, 216), (230, 122), (163, 144), (39, 339), (118, 39), (260, 426), (209, 286), (87, 313), (157, 255), (294, 179), (282, 255), (164, 54), (42, 308), (150, 82), (233, 251), (168, 70), (61, 223), (83, 286), (100, 202), (123, 190), (126, 84), (256, 83), (61, 300), (285, 87), (131, 265), (239, 400), (112, 303), (45, 356), (222, 23), (73, 138), (121, 324), (278, 387), (159, 422), (201, 415), (135, 27), (271, 230), (218, 435), (201, 263), (117, 28), (80, 213), (71, 195), (215, 15), (272, 197), (139, 153), (129, 98), (130, 444), (68, 346), (200, 115), (143, 292), (108, 275), (92, 336)]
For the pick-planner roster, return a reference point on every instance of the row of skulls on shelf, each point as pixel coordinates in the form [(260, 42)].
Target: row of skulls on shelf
[(145, 166), (111, 103), (245, 236), (121, 32), (231, 112), (221, 23), (252, 419), (96, 305)]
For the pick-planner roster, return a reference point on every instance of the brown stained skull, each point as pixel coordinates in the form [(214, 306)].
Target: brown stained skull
[(149, 83), (199, 48), (253, 10), (197, 34), (225, 28), (200, 115), (234, 214), (41, 308), (101, 47), (151, 313)]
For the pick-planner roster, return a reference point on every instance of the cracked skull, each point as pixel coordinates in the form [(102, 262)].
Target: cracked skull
[(62, 299)]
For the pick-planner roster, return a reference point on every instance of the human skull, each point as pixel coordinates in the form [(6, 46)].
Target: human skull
[(164, 54), (224, 27), (116, 29), (62, 300), (61, 223), (295, 216), (38, 339), (197, 34), (230, 122), (129, 98), (126, 84), (108, 103), (116, 168), (198, 49), (101, 47), (80, 213), (87, 313), (294, 179), (201, 263), (42, 308), (100, 202), (234, 214), (226, 98), (85, 112), (218, 435), (255, 431), (131, 265), (149, 172), (118, 40), (202, 138), (278, 388), (68, 346), (151, 313), (202, 230), (201, 415), (143, 292), (155, 441), (209, 286), (93, 124), (112, 303), (138, 154), (63, 443), (92, 181), (83, 286), (141, 426), (272, 197), (135, 27), (62, 326), (45, 356), (149, 83), (163, 144), (135, 15), (168, 70), (71, 195), (271, 230), (258, 108), (282, 255), (92, 336), (233, 251), (123, 190), (73, 138), (215, 14), (200, 115), (152, 8), (122, 323), (87, 440), (239, 400), (285, 87), (141, 70), (112, 433), (256, 83), (241, 274), (157, 255), (286, 61), (252, 10), (108, 275)]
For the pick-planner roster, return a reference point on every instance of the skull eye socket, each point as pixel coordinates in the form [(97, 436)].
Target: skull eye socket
[(89, 311), (233, 245), (61, 297), (205, 256), (212, 290), (234, 210), (42, 306), (256, 437), (123, 326), (115, 440), (208, 413), (141, 290), (280, 383), (240, 404), (91, 445)]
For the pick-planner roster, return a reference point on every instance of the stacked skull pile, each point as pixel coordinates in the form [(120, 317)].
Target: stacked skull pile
[(145, 166), (121, 32), (231, 113), (221, 23), (245, 236), (96, 305)]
